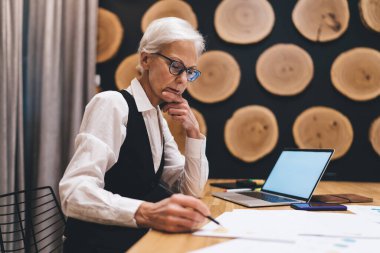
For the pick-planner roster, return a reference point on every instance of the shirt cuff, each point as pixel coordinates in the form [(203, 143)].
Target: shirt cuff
[(195, 147), (129, 208)]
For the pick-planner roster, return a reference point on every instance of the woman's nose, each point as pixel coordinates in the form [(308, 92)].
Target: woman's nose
[(182, 78)]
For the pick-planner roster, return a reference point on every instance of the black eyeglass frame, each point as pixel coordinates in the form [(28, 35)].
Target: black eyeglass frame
[(183, 68)]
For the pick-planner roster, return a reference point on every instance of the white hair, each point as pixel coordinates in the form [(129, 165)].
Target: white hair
[(167, 30)]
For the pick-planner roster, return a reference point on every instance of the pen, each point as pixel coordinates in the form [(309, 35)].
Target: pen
[(257, 181), (170, 192), (212, 219), (238, 190)]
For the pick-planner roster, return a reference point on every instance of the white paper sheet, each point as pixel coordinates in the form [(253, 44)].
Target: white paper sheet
[(245, 246), (371, 213), (302, 245), (285, 226), (241, 226)]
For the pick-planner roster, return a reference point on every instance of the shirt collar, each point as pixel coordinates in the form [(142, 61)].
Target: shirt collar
[(141, 99)]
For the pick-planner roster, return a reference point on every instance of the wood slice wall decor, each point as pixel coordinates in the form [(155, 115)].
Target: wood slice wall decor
[(323, 127), (356, 73), (334, 85), (110, 35), (251, 133), (244, 21), (169, 8), (321, 20), (179, 133), (219, 79), (374, 135), (370, 14), (284, 69), (127, 71)]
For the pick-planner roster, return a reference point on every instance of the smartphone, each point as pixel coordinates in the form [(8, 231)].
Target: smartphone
[(318, 206)]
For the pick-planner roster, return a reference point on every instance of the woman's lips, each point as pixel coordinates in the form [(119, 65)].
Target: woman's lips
[(177, 92)]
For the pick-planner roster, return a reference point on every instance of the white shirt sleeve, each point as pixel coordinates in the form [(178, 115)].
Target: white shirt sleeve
[(97, 149), (186, 174)]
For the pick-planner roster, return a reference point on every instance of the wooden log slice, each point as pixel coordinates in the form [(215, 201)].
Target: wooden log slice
[(244, 21), (323, 127), (321, 20), (179, 133), (126, 71), (374, 135), (251, 133), (356, 73), (219, 79), (284, 69), (110, 35), (370, 14), (169, 8)]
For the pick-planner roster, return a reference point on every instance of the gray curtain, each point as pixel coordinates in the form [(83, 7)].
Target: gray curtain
[(11, 124), (11, 113), (47, 67), (61, 51)]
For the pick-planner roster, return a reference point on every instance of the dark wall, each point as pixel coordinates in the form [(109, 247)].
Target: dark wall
[(360, 163)]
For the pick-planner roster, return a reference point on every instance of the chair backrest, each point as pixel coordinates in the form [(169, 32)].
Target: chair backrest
[(31, 221)]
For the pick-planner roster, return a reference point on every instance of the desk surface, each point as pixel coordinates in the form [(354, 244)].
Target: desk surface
[(158, 242)]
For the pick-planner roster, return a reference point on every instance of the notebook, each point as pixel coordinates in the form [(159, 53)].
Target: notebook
[(341, 198), (293, 179)]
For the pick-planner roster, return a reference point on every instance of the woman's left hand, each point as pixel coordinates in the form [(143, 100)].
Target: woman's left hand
[(178, 108)]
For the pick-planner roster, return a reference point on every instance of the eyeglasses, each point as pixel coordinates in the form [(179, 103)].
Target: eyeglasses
[(177, 68)]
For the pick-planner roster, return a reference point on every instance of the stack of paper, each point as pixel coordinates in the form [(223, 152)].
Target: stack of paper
[(296, 231), (286, 225), (309, 245)]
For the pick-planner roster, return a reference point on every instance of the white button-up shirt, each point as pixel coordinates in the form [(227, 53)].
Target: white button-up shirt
[(97, 146)]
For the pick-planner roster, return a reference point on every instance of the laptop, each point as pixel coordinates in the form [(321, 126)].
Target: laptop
[(293, 179)]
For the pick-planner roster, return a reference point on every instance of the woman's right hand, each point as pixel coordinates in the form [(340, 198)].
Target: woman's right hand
[(179, 213)]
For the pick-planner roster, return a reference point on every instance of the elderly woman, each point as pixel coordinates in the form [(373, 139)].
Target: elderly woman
[(111, 190)]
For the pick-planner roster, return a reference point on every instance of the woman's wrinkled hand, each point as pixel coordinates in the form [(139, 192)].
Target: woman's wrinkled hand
[(178, 213)]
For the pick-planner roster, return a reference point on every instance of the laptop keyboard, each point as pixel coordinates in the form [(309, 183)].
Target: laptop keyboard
[(267, 197)]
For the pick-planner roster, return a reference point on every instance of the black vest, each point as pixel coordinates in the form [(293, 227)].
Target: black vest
[(132, 176)]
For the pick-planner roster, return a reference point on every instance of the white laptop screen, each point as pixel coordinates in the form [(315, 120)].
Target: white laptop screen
[(297, 172)]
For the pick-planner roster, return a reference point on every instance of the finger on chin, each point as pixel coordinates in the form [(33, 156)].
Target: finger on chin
[(171, 97)]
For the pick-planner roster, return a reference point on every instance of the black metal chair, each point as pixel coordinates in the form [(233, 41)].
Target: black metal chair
[(31, 221)]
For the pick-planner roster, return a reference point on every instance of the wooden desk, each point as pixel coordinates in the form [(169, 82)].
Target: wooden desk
[(158, 242)]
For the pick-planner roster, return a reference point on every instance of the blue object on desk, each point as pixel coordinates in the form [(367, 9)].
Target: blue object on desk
[(318, 206)]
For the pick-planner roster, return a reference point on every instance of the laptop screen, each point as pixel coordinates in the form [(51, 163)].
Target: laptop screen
[(297, 172)]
